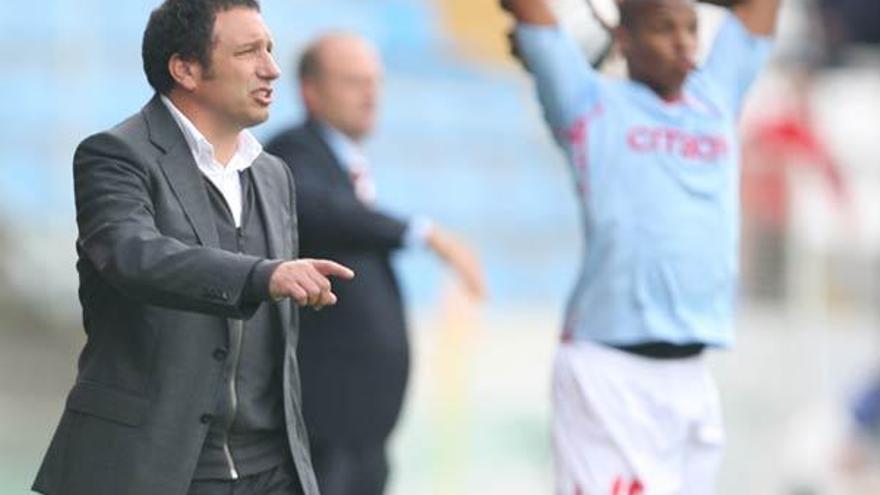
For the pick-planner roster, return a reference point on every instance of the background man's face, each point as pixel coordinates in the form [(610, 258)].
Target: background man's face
[(238, 87), (345, 92), (661, 44)]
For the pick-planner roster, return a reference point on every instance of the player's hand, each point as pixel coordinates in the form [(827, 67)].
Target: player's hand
[(530, 11), (461, 258), (535, 12), (307, 281)]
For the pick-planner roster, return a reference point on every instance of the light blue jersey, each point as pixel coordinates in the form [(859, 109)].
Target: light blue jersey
[(659, 188)]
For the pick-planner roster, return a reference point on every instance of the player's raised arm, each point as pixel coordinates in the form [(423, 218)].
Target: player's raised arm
[(758, 16), (741, 48), (564, 79)]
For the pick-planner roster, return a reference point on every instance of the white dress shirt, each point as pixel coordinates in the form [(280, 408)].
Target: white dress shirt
[(225, 178)]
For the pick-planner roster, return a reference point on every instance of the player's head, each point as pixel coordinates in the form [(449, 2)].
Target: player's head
[(340, 76), (216, 55), (659, 41)]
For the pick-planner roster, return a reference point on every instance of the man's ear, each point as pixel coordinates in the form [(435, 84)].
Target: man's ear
[(185, 73), (308, 90)]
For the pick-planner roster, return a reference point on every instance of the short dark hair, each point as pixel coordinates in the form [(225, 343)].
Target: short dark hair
[(185, 28)]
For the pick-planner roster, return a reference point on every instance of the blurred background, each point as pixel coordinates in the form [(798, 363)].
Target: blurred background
[(461, 140)]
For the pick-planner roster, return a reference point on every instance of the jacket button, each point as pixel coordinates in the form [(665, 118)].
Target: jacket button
[(220, 354), (206, 418)]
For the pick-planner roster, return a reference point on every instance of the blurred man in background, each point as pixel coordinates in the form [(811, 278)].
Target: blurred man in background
[(656, 159), (188, 382), (355, 357)]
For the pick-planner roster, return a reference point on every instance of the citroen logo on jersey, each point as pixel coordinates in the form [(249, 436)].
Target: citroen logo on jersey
[(705, 148)]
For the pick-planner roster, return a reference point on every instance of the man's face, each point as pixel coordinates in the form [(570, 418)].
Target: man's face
[(345, 92), (660, 44), (237, 89)]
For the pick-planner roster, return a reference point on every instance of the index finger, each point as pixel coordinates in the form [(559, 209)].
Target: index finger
[(332, 268)]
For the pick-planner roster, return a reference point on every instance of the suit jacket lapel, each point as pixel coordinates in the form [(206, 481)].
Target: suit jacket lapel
[(181, 171), (271, 200), (271, 197)]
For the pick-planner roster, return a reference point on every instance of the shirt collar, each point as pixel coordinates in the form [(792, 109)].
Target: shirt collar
[(203, 151), (346, 150)]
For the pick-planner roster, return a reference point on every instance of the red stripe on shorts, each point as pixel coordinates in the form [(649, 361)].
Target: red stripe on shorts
[(635, 488), (617, 486)]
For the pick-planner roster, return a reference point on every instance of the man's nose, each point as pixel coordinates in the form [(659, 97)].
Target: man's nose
[(269, 68), (685, 41)]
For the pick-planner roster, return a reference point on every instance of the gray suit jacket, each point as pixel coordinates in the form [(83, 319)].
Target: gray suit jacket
[(157, 294)]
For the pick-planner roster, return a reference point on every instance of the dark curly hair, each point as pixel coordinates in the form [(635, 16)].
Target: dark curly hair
[(185, 28)]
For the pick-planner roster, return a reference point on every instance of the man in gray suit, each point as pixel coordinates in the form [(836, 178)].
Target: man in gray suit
[(188, 381)]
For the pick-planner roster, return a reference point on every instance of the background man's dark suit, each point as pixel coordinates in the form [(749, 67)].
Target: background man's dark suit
[(354, 357), (157, 296)]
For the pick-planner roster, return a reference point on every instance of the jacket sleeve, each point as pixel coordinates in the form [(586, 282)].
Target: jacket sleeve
[(119, 237), (331, 217)]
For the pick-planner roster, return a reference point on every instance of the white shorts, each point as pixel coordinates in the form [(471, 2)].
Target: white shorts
[(630, 425)]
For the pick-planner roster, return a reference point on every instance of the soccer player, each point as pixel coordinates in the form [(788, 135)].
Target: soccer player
[(656, 163)]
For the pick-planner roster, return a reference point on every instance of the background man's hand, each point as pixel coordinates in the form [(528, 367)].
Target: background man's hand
[(461, 258), (307, 281)]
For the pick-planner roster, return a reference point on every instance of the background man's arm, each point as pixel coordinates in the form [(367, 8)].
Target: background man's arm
[(332, 219), (336, 222), (460, 257), (329, 218)]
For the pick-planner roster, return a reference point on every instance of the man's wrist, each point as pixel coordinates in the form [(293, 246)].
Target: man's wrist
[(418, 232), (259, 285)]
